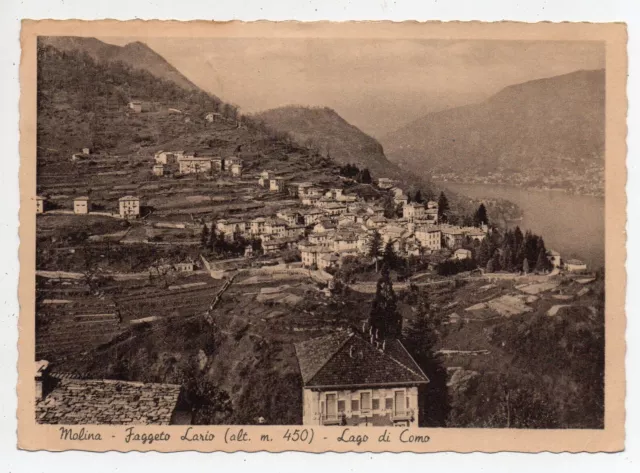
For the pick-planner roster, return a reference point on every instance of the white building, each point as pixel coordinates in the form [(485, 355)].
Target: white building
[(276, 184), (158, 169), (236, 169), (386, 183), (168, 157), (429, 237), (413, 211), (554, 258), (194, 164), (575, 265), (129, 206), (39, 204), (461, 254), (264, 178), (230, 161), (81, 205)]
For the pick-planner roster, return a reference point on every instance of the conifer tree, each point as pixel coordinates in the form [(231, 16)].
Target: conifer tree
[(525, 266), (491, 267), (204, 236), (418, 197), (365, 176), (443, 207), (480, 217), (420, 339), (384, 316), (374, 248), (484, 253), (542, 263), (389, 257)]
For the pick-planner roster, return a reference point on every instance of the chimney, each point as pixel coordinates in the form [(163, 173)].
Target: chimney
[(43, 381)]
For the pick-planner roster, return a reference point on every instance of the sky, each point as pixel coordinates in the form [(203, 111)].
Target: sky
[(378, 85)]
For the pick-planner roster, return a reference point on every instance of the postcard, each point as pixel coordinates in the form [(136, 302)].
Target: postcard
[(360, 236)]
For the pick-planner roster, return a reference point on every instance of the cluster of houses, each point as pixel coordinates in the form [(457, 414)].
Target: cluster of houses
[(128, 206), (330, 225), (196, 163)]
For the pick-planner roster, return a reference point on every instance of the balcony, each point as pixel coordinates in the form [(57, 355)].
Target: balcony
[(403, 416), (332, 419)]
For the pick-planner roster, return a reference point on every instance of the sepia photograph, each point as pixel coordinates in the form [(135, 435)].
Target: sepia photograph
[(320, 231)]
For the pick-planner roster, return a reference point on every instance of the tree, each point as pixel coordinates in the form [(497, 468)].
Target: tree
[(418, 197), (484, 253), (389, 258), (209, 404), (204, 236), (365, 177), (480, 217), (420, 339), (443, 207), (374, 249), (491, 267), (525, 266), (213, 238), (384, 317), (389, 207), (542, 263)]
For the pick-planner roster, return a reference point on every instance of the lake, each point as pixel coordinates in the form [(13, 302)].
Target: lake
[(570, 224)]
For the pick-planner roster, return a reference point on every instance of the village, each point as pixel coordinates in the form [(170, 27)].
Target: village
[(198, 267), (324, 224)]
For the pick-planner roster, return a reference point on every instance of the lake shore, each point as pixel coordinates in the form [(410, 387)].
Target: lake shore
[(570, 224)]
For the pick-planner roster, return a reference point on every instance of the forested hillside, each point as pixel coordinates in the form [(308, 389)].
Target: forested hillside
[(324, 129), (546, 133)]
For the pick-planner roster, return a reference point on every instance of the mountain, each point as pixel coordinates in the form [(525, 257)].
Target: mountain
[(136, 55), (323, 129), (546, 133)]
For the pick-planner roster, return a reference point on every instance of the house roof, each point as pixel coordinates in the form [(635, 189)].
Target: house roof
[(347, 359), (77, 401), (82, 197), (128, 197)]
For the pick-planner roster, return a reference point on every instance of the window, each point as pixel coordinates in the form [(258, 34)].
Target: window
[(355, 405), (341, 406), (365, 400), (400, 402), (331, 405), (375, 404), (388, 403)]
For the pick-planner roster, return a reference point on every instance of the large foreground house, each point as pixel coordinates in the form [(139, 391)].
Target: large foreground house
[(351, 379)]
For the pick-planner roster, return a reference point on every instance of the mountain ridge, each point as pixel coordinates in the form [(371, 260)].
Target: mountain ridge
[(325, 129), (136, 54), (545, 133)]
